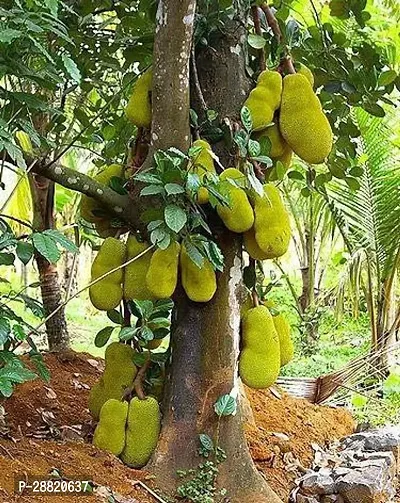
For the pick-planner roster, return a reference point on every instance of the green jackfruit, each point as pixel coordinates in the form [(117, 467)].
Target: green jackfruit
[(252, 247), (200, 285), (107, 293), (202, 164), (308, 74), (265, 99), (278, 144), (259, 361), (271, 224), (88, 205), (135, 286), (109, 434), (138, 109), (119, 374), (143, 429), (239, 216), (286, 344), (162, 274), (302, 121)]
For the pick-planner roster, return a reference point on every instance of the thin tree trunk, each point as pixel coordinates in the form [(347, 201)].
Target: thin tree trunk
[(205, 337), (42, 191)]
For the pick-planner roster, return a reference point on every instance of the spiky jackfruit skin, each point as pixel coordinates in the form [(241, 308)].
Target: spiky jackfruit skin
[(119, 374), (106, 294), (302, 121), (202, 164), (162, 274), (251, 246), (239, 216), (264, 99), (259, 360), (109, 434), (138, 109), (135, 286), (89, 205), (285, 341), (278, 144), (200, 285), (271, 224), (143, 429), (308, 74)]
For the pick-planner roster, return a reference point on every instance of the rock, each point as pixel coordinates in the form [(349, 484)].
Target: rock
[(371, 485), (340, 471), (301, 498), (332, 498), (384, 439), (317, 483)]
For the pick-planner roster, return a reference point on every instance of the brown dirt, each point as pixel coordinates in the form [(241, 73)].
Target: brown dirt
[(50, 427)]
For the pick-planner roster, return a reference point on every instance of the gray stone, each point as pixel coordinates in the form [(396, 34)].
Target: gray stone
[(317, 483), (384, 439), (332, 498), (301, 498), (340, 471), (371, 485)]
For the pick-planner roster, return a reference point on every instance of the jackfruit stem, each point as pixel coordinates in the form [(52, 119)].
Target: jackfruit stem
[(196, 81), (257, 28), (138, 382), (256, 300), (272, 22)]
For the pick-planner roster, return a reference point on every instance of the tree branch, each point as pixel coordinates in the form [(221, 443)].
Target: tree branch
[(257, 28)]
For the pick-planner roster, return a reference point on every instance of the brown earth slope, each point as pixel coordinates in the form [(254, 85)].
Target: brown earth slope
[(48, 426)]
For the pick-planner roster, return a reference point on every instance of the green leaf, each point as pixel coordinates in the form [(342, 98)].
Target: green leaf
[(225, 406), (256, 41), (387, 78), (18, 332), (4, 330), (16, 373), (103, 336), (71, 68), (174, 188), (62, 240), (152, 190), (147, 178), (115, 316), (127, 333), (34, 305), (353, 183), (206, 442), (146, 333), (6, 388), (46, 246), (24, 251), (175, 217), (245, 116), (7, 258), (8, 35), (254, 148), (41, 367)]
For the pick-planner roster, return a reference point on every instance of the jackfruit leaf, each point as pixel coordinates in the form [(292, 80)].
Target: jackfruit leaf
[(4, 330), (18, 332), (118, 185), (103, 336), (163, 305), (148, 178), (159, 322), (386, 78), (141, 308), (115, 316), (42, 369), (295, 175), (146, 333), (214, 255), (8, 35), (158, 235), (254, 182), (353, 183), (127, 333), (175, 217), (174, 188), (254, 148), (225, 406), (46, 246), (241, 139), (280, 170), (194, 254), (72, 69), (154, 224), (152, 190), (264, 159), (7, 258), (194, 118), (206, 442), (256, 41), (374, 109), (24, 251)]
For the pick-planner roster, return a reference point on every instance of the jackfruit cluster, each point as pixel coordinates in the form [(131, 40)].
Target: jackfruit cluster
[(283, 330), (92, 211), (200, 284), (107, 293), (259, 360), (119, 374), (135, 286), (139, 107), (238, 216), (203, 163), (302, 121), (162, 274), (142, 432), (109, 434)]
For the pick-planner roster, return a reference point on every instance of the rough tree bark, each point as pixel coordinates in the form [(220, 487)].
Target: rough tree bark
[(42, 191), (205, 338)]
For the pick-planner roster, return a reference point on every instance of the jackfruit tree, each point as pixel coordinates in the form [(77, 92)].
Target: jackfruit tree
[(217, 115)]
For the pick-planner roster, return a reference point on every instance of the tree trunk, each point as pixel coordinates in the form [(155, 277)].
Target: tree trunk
[(205, 337), (42, 191)]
